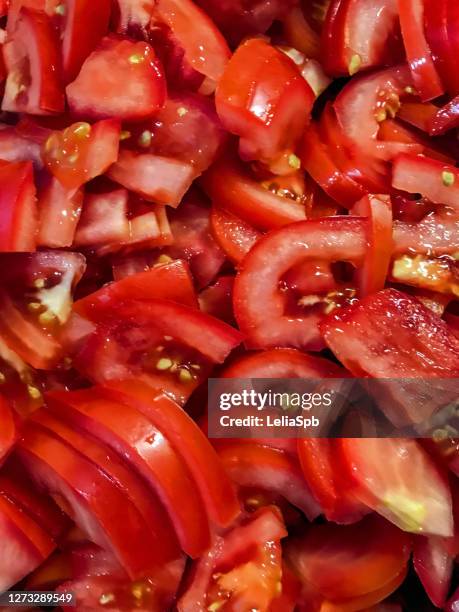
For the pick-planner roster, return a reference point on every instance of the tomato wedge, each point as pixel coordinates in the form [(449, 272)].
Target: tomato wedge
[(372, 275), (18, 212), (153, 516), (229, 186), (263, 98), (435, 180), (255, 466), (59, 210), (434, 566), (128, 432), (32, 61), (260, 306), (344, 562), (189, 443), (425, 75), (407, 489), (121, 79)]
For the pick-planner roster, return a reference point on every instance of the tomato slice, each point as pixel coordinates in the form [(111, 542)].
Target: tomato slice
[(8, 433), (435, 180), (343, 562), (189, 443), (434, 566), (32, 60), (408, 489), (24, 545), (204, 48), (235, 236), (360, 35), (425, 75), (82, 151), (242, 570), (170, 281), (162, 539), (259, 304), (263, 98), (319, 460), (18, 216), (372, 275), (255, 466), (446, 118), (121, 79), (83, 25), (59, 210), (229, 186), (125, 430), (158, 179)]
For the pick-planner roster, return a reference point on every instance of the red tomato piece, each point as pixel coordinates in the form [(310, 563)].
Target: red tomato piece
[(433, 179), (16, 146), (193, 241), (319, 460), (134, 16), (446, 118), (157, 179), (154, 518), (125, 430), (32, 60), (299, 33), (59, 210), (93, 500), (255, 466), (8, 432), (243, 568), (83, 25), (229, 186), (18, 213), (407, 488), (263, 98), (436, 25), (204, 47), (170, 281), (189, 443), (434, 566), (260, 306), (82, 151), (418, 114), (104, 219), (120, 79), (372, 276), (360, 35), (24, 545), (235, 236), (435, 234), (425, 75), (344, 562), (217, 299)]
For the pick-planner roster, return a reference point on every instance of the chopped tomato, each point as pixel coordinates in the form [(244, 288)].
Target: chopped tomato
[(157, 179), (439, 33), (104, 219), (407, 488), (125, 430), (345, 562), (59, 210), (216, 299), (433, 179), (82, 151), (358, 35), (121, 79), (18, 212), (32, 61), (260, 307), (265, 206), (83, 25), (372, 275), (235, 236), (446, 118), (167, 281), (8, 433), (263, 98), (434, 566), (204, 47), (300, 34), (425, 75), (134, 16)]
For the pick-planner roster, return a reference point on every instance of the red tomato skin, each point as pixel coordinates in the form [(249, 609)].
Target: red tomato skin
[(120, 79), (263, 98), (434, 566), (260, 307), (18, 213), (84, 24), (34, 38), (447, 118), (166, 281), (437, 23)]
